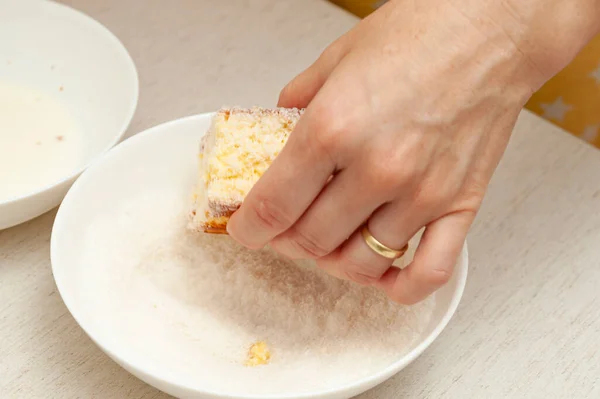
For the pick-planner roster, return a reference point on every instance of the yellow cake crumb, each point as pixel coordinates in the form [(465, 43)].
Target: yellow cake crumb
[(258, 354), (238, 147)]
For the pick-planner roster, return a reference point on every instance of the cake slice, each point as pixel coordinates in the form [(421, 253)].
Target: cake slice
[(237, 149)]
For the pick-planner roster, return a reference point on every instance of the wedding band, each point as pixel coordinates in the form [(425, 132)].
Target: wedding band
[(381, 249)]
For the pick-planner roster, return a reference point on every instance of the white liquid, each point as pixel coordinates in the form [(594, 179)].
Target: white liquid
[(40, 142)]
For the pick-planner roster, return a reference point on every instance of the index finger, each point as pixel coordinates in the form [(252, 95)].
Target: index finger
[(286, 189)]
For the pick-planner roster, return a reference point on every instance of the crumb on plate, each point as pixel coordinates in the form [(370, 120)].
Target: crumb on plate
[(258, 354)]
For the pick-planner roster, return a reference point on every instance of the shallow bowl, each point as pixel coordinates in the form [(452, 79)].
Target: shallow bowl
[(162, 160), (56, 60)]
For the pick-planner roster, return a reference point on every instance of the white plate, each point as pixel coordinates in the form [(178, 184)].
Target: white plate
[(76, 86), (117, 307)]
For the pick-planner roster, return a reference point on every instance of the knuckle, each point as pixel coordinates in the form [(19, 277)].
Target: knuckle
[(437, 190), (330, 266), (388, 173), (328, 132), (335, 50), (472, 196), (331, 52), (330, 127), (272, 216), (383, 174), (309, 244), (430, 197), (358, 272)]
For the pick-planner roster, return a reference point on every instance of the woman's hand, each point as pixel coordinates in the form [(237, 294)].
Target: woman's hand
[(407, 117)]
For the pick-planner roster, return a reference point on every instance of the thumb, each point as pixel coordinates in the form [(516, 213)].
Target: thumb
[(300, 91)]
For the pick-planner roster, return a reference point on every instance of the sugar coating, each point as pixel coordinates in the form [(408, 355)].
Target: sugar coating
[(237, 149), (192, 304)]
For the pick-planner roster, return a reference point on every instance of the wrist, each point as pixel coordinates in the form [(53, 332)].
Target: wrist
[(549, 33)]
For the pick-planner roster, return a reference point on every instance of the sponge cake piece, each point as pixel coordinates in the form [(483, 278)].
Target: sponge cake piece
[(236, 150)]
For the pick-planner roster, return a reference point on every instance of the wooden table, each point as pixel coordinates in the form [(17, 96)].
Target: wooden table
[(529, 322)]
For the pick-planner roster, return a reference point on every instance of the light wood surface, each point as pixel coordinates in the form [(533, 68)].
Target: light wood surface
[(529, 322)]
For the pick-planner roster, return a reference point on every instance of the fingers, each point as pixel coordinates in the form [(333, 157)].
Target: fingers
[(301, 90), (286, 189), (338, 211), (433, 262), (301, 170), (392, 225)]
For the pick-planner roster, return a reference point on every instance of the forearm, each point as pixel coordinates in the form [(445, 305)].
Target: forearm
[(533, 39), (505, 49), (551, 32)]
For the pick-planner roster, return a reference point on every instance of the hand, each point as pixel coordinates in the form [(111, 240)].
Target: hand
[(407, 117)]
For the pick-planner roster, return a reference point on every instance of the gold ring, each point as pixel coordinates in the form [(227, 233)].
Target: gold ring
[(381, 249)]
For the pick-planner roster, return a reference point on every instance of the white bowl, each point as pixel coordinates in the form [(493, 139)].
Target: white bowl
[(163, 160), (75, 65)]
